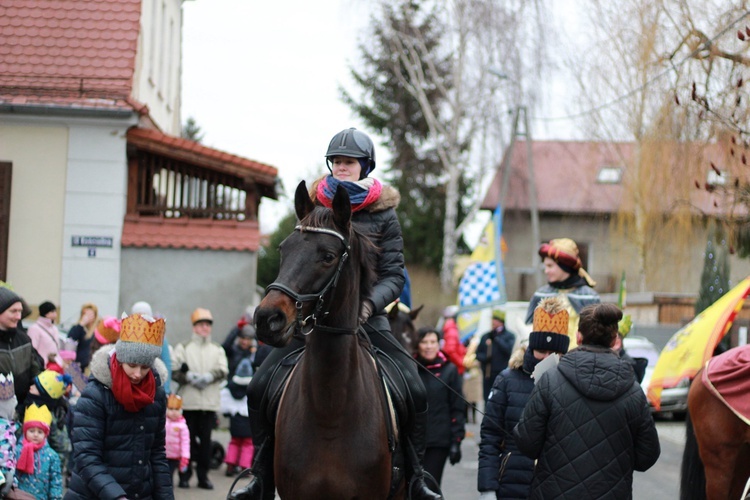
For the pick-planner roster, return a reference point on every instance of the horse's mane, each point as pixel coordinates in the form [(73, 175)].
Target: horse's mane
[(363, 251)]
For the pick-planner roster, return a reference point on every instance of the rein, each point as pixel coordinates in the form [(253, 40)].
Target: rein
[(321, 306)]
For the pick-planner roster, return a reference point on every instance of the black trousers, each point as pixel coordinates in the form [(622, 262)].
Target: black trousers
[(434, 462), (200, 424)]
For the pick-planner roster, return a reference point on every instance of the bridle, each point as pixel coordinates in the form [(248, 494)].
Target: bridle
[(321, 307)]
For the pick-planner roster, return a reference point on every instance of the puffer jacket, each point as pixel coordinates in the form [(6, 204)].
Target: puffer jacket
[(380, 223), (446, 417), (509, 395), (17, 356), (588, 423), (200, 355), (117, 453)]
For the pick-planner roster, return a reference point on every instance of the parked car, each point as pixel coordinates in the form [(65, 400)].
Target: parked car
[(673, 399)]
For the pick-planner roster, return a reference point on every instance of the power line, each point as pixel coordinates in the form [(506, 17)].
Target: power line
[(648, 82)]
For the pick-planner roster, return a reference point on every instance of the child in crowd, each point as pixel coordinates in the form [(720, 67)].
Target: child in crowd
[(48, 390), (234, 404), (38, 466), (178, 436), (7, 433)]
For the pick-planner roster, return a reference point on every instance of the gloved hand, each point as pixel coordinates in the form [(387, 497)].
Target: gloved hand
[(454, 455), (184, 462), (203, 380), (192, 377), (487, 495), (365, 311)]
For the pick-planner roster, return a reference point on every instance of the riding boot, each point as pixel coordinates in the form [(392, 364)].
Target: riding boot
[(415, 448), (262, 486)]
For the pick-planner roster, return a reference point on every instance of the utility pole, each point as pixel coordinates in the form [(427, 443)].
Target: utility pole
[(533, 205)]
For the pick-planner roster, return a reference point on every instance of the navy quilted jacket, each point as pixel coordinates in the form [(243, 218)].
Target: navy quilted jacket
[(117, 453), (588, 423), (509, 395)]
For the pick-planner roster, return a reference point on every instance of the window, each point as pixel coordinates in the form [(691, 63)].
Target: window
[(609, 175)]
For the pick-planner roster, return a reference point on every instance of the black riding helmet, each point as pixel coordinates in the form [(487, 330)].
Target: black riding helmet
[(354, 144)]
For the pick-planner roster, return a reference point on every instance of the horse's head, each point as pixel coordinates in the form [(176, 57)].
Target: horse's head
[(402, 325), (326, 265)]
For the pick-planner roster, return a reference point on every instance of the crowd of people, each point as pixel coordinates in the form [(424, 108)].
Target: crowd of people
[(112, 409)]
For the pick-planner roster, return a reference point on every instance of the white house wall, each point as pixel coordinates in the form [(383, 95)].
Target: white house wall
[(69, 179), (158, 66)]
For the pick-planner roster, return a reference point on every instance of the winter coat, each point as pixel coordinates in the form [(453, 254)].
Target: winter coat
[(588, 423), (118, 453), (18, 356), (201, 355), (46, 481), (177, 439), (452, 346), (494, 352), (508, 397), (45, 337), (380, 223), (446, 416), (83, 346)]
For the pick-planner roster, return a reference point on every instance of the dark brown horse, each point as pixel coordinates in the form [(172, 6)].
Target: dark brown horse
[(401, 319), (331, 429), (716, 460)]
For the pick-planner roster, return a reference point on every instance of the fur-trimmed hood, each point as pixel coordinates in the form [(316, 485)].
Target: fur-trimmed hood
[(516, 359), (100, 367), (389, 197)]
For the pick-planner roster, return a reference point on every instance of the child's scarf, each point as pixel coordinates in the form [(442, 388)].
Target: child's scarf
[(361, 193), (26, 461), (132, 397)]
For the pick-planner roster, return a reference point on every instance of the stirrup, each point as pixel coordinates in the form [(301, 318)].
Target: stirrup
[(424, 491)]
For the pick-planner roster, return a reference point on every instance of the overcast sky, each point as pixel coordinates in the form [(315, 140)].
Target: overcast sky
[(261, 79)]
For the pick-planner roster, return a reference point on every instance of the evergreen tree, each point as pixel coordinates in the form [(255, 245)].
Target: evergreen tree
[(715, 275), (192, 131), (391, 111)]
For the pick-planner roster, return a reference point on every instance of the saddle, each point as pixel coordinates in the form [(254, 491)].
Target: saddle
[(396, 392), (727, 376)]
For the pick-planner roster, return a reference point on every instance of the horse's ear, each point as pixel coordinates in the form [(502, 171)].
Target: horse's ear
[(303, 205), (415, 312), (342, 209), (393, 313)]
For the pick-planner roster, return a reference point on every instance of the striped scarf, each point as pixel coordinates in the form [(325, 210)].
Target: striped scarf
[(361, 193)]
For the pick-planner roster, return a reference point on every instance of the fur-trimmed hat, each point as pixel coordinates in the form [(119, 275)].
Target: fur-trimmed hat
[(550, 326), (7, 298), (141, 339), (564, 251)]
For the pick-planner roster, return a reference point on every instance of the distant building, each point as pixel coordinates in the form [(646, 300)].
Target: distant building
[(100, 200), (580, 189)]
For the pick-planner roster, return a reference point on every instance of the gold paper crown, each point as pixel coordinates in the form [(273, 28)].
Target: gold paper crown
[(7, 387), (136, 328), (36, 413), (550, 316), (174, 402)]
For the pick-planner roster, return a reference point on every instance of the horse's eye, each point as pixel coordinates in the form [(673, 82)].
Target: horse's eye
[(329, 258)]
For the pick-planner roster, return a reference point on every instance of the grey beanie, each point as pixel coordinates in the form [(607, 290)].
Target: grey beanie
[(136, 353), (7, 298)]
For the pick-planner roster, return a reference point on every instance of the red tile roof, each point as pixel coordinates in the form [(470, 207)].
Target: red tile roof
[(69, 49), (198, 154), (566, 177), (199, 234)]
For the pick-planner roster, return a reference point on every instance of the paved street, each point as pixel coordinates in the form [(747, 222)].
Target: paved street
[(661, 482)]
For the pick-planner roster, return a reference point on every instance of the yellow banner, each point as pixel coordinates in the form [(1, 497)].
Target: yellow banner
[(689, 349)]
